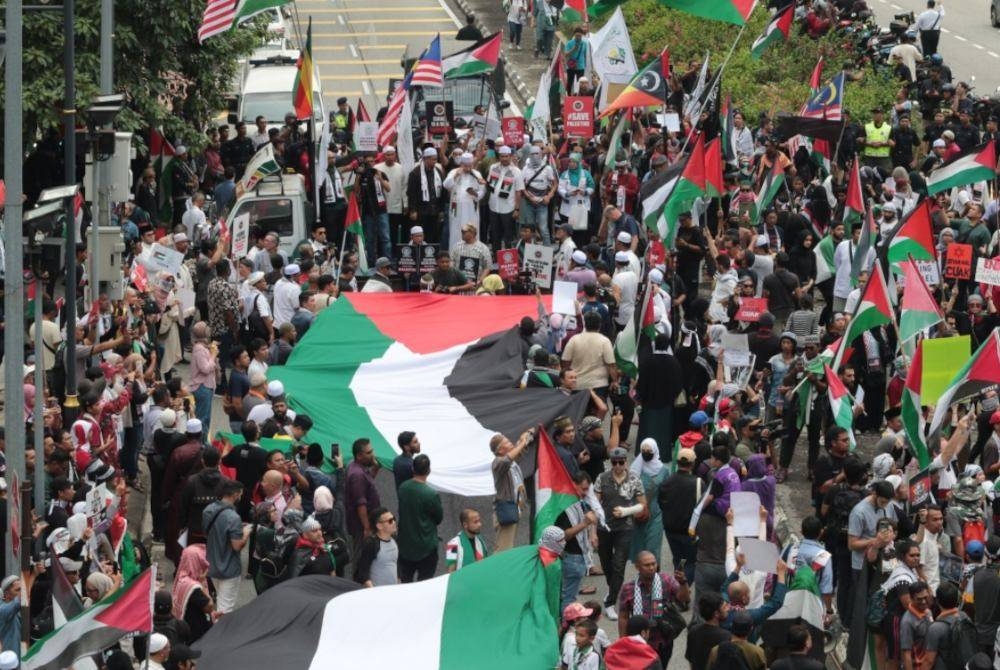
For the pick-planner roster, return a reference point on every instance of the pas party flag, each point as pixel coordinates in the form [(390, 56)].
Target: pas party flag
[(776, 30), (127, 611), (730, 11), (841, 403), (496, 614), (479, 58), (981, 371), (446, 367), (911, 412), (555, 491), (979, 164)]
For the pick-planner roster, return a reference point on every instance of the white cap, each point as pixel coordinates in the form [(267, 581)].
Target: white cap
[(193, 426), (292, 269), (534, 149), (504, 151), (939, 144), (467, 158), (430, 152), (889, 207), (157, 643), (579, 257), (180, 149), (624, 238), (389, 149), (416, 230), (656, 276), (181, 237), (762, 241), (621, 257), (275, 388), (255, 277)]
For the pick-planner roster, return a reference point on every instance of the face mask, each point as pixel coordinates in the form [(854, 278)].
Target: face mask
[(647, 456)]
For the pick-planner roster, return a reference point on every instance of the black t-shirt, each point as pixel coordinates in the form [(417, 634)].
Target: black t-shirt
[(195, 616), (687, 259), (573, 545), (827, 467), (449, 277), (701, 639), (780, 288), (797, 662)]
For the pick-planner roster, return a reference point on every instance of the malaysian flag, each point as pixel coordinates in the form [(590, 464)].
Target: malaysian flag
[(218, 18), (428, 71), (387, 131), (826, 102)]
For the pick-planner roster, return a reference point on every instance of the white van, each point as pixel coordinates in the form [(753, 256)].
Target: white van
[(278, 204), (267, 91)]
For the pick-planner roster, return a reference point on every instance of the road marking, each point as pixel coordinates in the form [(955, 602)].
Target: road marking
[(960, 38), (355, 77), (357, 20), (354, 50), (946, 31), (350, 36), (994, 54), (329, 10), (360, 61), (978, 46), (367, 87), (340, 17), (895, 6)]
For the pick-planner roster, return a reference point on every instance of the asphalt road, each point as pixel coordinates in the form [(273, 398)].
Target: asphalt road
[(969, 45)]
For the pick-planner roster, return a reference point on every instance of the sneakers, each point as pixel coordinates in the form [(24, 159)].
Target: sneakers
[(611, 613)]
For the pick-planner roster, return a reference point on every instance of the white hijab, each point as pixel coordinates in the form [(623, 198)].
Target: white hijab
[(652, 467)]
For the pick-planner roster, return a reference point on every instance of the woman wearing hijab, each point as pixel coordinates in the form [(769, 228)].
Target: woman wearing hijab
[(660, 381), (331, 520), (762, 483), (576, 185), (204, 371), (801, 259), (192, 602), (99, 585), (648, 533), (492, 285)]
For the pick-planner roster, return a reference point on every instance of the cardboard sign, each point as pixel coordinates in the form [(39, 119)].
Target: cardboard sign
[(366, 136), (407, 258), (440, 116), (99, 509), (988, 271), (958, 262), (578, 116), (538, 261), (241, 235), (428, 258), (751, 309), (508, 264), (513, 131), (564, 297), (469, 266), (929, 271), (159, 257), (920, 489)]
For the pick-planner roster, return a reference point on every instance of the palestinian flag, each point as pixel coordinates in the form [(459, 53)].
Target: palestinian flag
[(627, 341), (866, 242), (873, 310), (769, 188), (982, 370), (824, 358), (688, 188), (912, 238), (841, 403), (911, 412), (446, 367), (825, 267), (352, 222), (263, 164), (776, 30), (302, 90), (730, 11), (161, 155), (803, 604), (495, 614), (726, 124), (715, 185), (979, 164), (555, 491), (854, 206), (575, 10), (479, 58), (821, 153), (816, 78), (653, 194), (246, 9), (919, 309), (603, 7), (127, 611), (646, 89), (615, 145)]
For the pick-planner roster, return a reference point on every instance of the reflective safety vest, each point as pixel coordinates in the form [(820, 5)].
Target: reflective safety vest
[(880, 134)]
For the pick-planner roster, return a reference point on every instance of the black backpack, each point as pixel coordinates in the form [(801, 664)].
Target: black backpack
[(962, 643), (274, 564), (837, 519)]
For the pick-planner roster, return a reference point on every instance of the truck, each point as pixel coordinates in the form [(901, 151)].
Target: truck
[(278, 204), (267, 91)]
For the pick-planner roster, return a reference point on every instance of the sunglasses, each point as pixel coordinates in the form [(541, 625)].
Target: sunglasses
[(617, 461)]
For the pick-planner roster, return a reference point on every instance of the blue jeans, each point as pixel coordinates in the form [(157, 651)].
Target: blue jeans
[(682, 549), (203, 407), (377, 226), (537, 216), (543, 41), (515, 32), (574, 569)]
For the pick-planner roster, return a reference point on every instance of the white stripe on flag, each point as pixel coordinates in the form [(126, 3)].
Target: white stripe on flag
[(218, 18), (405, 631)]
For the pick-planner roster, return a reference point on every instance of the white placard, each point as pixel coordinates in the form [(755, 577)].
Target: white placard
[(240, 229), (366, 136), (746, 513), (671, 121), (159, 257), (929, 270), (988, 271), (564, 297), (186, 296), (538, 260), (736, 349), (760, 555)]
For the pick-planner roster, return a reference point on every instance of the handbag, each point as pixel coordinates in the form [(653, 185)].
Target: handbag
[(672, 622), (578, 217), (507, 512), (878, 609)]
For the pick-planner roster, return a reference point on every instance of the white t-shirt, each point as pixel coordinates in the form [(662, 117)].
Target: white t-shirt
[(504, 181)]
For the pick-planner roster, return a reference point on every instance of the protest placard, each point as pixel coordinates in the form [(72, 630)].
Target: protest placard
[(988, 271), (538, 261), (958, 261), (241, 235), (508, 264), (751, 309)]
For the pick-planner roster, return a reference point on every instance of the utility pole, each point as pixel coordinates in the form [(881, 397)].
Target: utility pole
[(101, 170), (72, 405), (39, 381), (13, 280)]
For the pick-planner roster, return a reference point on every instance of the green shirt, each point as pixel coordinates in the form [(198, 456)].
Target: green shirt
[(420, 513), (977, 236)]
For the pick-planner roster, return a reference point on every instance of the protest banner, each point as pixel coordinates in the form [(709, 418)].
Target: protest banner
[(508, 264), (469, 266), (958, 261), (428, 258), (751, 309), (513, 131), (440, 116), (538, 261), (988, 271), (578, 116), (920, 489), (366, 136), (241, 235), (160, 258)]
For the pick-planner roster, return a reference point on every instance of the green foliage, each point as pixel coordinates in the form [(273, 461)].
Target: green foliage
[(778, 82), (170, 81)]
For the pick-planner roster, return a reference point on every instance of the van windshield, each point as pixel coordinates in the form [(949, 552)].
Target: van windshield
[(272, 105), (269, 214)]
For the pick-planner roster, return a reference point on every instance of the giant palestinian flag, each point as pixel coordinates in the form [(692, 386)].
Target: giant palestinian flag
[(979, 164), (446, 367), (496, 614), (126, 611), (982, 370), (911, 411)]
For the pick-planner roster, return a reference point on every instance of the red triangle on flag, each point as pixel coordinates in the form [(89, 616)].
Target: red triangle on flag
[(490, 52), (714, 181), (694, 169), (986, 366), (133, 609), (551, 472), (988, 156)]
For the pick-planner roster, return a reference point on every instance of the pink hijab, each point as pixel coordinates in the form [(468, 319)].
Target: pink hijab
[(192, 574)]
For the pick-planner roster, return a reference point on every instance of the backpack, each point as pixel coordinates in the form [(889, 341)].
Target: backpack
[(839, 516), (878, 610), (973, 529), (274, 564), (962, 643)]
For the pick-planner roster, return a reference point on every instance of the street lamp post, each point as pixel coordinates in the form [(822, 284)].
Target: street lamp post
[(72, 404)]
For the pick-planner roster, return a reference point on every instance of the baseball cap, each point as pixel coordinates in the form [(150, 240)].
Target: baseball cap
[(975, 549), (383, 262), (575, 611), (589, 423), (618, 452), (698, 419), (686, 455)]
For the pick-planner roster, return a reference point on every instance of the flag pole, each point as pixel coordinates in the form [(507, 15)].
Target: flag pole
[(717, 77)]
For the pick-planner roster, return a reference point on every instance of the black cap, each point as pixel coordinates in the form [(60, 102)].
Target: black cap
[(342, 100)]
